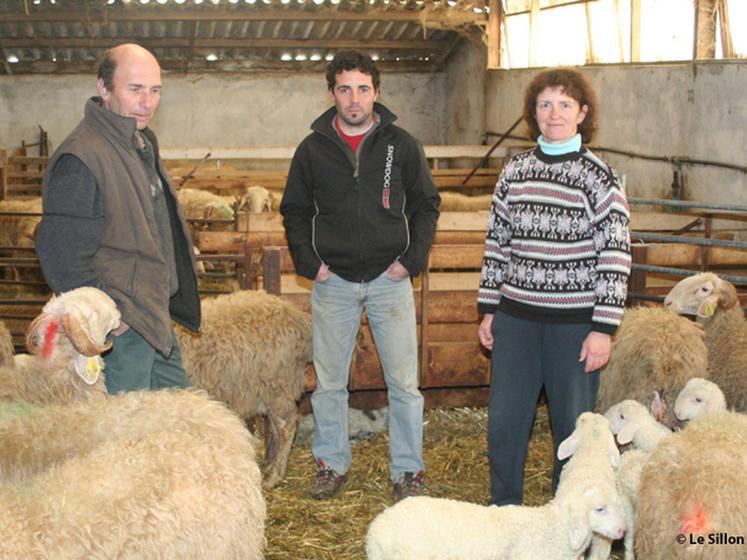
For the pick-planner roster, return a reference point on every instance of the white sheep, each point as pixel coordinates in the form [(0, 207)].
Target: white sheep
[(715, 303), (256, 199), (66, 340), (252, 355), (420, 528), (146, 474), (698, 398), (628, 478), (20, 231), (693, 489), (458, 202), (654, 352), (632, 423), (203, 204)]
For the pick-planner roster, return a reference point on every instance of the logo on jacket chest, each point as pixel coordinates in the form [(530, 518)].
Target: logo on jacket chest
[(387, 175)]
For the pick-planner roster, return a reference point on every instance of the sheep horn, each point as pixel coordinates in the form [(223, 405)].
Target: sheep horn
[(31, 334), (80, 338)]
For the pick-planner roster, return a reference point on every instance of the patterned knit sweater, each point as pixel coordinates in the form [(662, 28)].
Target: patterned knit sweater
[(558, 245)]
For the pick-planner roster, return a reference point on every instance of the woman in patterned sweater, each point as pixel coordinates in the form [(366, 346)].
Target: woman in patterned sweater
[(554, 276)]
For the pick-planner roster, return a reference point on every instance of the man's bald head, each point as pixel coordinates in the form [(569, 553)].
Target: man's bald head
[(121, 54), (129, 83)]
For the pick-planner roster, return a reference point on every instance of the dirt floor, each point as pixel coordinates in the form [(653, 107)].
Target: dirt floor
[(300, 528)]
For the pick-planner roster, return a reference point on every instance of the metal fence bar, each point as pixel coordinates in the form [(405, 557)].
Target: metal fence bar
[(645, 236), (686, 272), (686, 204)]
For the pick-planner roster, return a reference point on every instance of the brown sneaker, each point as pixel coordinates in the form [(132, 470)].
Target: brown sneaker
[(328, 482), (409, 484)]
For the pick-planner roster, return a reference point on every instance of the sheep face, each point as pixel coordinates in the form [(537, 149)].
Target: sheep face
[(625, 418), (701, 295), (598, 509), (85, 314), (698, 398)]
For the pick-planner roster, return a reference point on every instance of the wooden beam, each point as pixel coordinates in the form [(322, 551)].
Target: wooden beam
[(438, 19), (219, 43), (635, 30), (704, 39), (726, 43), (534, 37), (494, 35)]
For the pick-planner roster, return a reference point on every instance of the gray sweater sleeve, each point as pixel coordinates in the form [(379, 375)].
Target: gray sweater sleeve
[(71, 228)]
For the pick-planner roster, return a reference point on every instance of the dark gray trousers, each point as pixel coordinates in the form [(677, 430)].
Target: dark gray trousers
[(527, 355)]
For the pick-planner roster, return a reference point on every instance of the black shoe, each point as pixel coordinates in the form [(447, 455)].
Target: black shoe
[(409, 484), (328, 483)]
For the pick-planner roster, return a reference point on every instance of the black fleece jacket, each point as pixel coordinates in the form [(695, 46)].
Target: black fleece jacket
[(358, 213)]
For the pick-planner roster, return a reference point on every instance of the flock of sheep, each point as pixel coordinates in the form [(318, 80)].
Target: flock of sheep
[(672, 494), (174, 473)]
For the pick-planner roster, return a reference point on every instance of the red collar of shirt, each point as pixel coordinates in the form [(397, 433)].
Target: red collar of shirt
[(352, 141)]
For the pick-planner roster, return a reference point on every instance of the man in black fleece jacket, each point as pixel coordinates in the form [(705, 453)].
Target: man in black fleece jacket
[(360, 211)]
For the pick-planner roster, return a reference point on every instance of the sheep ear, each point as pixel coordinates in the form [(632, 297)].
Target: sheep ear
[(568, 446), (658, 405), (727, 294), (626, 433), (578, 527), (613, 453)]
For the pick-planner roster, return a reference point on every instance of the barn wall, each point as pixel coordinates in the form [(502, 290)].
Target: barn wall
[(465, 94), (696, 110), (218, 109)]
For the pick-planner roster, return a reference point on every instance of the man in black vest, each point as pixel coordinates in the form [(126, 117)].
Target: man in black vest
[(111, 221)]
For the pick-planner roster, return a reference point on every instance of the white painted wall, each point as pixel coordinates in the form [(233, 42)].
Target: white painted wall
[(230, 110)]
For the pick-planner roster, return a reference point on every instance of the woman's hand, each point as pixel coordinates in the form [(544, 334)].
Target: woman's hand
[(595, 350), (485, 331)]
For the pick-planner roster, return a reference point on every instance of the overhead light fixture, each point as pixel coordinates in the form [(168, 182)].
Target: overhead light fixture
[(451, 3), (12, 59), (212, 57), (329, 57), (315, 57), (286, 57), (300, 57), (317, 2), (375, 57), (144, 1), (180, 1), (162, 1)]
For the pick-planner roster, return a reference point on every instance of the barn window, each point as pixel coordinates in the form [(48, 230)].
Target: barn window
[(532, 33)]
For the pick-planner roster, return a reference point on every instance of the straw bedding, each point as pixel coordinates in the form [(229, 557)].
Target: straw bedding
[(300, 528)]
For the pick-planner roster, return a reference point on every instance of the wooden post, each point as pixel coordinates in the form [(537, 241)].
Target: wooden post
[(245, 269), (494, 35), (271, 272), (637, 280), (4, 174), (705, 251), (423, 361)]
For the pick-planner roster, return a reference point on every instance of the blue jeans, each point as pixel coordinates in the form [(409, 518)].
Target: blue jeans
[(336, 307), (133, 364), (527, 355)]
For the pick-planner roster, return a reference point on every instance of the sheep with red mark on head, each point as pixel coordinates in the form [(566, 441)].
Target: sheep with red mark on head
[(66, 342)]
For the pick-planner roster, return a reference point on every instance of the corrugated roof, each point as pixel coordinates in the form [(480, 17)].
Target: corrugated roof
[(55, 36)]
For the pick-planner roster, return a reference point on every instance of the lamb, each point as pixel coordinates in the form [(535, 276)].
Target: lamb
[(693, 487), (252, 355), (632, 423), (628, 478), (439, 529), (162, 474), (698, 398), (654, 352), (715, 303), (66, 340)]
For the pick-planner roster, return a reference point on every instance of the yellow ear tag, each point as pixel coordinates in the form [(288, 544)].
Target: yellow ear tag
[(709, 310), (88, 368)]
